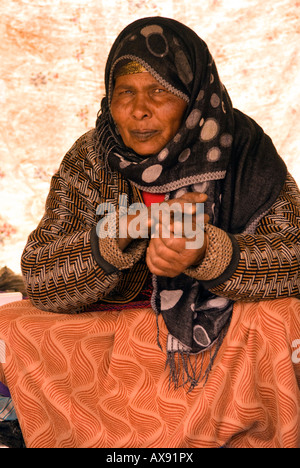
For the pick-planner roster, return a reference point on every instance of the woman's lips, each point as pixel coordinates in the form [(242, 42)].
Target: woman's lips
[(143, 135)]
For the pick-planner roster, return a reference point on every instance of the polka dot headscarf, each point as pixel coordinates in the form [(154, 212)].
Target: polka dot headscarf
[(181, 62)]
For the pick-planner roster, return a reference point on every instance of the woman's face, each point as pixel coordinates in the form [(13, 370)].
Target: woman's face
[(147, 114)]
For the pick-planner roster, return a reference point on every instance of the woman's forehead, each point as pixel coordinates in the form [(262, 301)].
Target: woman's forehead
[(136, 80)]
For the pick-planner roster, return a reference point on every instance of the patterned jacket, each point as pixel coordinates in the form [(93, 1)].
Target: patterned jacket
[(66, 266)]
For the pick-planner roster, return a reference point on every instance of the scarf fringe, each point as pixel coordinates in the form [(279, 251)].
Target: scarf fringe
[(184, 372)]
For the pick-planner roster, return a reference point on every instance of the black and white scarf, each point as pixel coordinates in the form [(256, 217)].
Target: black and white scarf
[(218, 151)]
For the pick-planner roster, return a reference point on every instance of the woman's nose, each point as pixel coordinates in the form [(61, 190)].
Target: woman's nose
[(141, 107)]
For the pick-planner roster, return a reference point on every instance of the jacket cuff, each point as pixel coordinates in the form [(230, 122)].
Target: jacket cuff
[(217, 258), (108, 253), (121, 260), (103, 264)]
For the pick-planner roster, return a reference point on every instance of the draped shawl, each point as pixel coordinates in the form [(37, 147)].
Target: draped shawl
[(217, 150)]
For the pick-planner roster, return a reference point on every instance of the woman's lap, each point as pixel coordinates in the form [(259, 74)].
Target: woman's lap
[(99, 380)]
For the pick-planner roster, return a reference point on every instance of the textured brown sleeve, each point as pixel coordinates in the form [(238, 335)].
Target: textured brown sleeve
[(268, 261), (59, 264)]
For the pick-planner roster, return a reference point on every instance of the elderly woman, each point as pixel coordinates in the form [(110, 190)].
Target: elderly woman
[(223, 314)]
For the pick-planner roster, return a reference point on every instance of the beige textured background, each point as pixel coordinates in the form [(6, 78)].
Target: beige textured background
[(52, 57)]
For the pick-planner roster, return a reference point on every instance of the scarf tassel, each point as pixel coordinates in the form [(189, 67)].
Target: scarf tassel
[(185, 373)]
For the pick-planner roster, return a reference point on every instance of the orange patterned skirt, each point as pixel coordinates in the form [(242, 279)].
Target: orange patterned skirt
[(98, 379)]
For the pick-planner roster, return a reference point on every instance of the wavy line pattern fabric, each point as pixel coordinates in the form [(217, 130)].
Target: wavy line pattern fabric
[(98, 379)]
